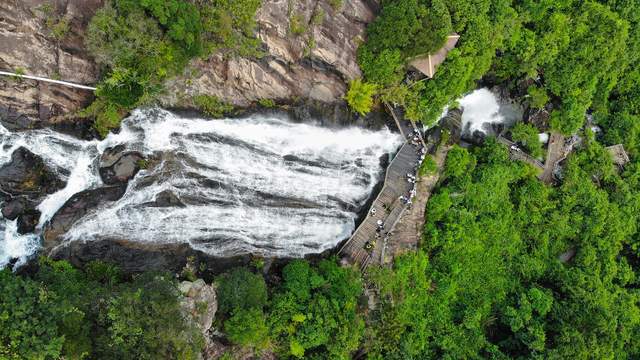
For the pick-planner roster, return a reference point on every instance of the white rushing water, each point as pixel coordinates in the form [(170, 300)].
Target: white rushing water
[(260, 185), (482, 108)]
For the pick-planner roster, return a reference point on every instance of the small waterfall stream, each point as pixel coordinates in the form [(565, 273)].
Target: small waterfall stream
[(261, 184)]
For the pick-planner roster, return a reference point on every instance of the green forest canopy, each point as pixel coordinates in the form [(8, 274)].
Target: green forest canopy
[(583, 54), (507, 267)]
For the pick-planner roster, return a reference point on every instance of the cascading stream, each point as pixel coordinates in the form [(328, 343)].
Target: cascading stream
[(259, 185)]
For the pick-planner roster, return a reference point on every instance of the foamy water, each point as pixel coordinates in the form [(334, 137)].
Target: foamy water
[(482, 108), (259, 185)]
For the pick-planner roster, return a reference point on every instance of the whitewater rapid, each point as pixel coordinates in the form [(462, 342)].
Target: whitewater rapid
[(482, 108), (262, 185)]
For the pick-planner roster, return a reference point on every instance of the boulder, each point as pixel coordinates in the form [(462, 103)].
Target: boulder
[(199, 303), (75, 208), (118, 168), (26, 174), (13, 208), (167, 198), (24, 210), (28, 220)]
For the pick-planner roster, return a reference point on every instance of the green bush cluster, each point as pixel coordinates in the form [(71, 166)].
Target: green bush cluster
[(312, 312), (95, 313), (360, 96), (212, 105), (141, 43), (527, 135)]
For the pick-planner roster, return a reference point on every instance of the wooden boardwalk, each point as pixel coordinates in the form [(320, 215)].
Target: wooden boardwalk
[(557, 151), (367, 243), (407, 232), (515, 153)]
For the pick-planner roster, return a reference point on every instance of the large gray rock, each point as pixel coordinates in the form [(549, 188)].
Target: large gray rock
[(24, 182), (28, 43), (26, 174), (117, 167), (199, 302)]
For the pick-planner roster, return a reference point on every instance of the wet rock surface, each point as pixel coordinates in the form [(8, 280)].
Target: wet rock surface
[(75, 208), (167, 199), (26, 174), (24, 210), (117, 167)]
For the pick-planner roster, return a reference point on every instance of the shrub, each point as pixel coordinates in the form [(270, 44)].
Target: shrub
[(318, 16), (335, 4), (538, 97), (267, 103), (297, 26), (28, 317), (527, 135), (212, 105), (247, 327), (241, 289), (360, 96), (428, 166)]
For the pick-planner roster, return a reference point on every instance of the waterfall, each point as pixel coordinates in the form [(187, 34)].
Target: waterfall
[(482, 108), (261, 184)]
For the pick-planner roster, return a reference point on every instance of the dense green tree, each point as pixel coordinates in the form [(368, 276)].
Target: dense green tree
[(360, 96), (315, 311), (64, 312), (241, 289), (28, 320), (248, 328), (527, 135)]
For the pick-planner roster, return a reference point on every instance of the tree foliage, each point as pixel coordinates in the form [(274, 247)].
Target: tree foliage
[(527, 135), (360, 96), (141, 43), (63, 312), (495, 276)]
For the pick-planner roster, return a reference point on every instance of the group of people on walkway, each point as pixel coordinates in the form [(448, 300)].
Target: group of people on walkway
[(414, 139)]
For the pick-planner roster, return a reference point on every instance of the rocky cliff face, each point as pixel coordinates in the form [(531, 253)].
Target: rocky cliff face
[(44, 38), (315, 62)]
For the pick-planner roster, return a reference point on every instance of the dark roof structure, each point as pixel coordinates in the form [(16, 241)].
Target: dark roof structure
[(427, 64)]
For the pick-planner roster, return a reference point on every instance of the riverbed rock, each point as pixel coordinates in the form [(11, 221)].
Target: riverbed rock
[(29, 44), (75, 208), (13, 208), (28, 220), (199, 303), (26, 174), (24, 210), (119, 168), (167, 198)]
